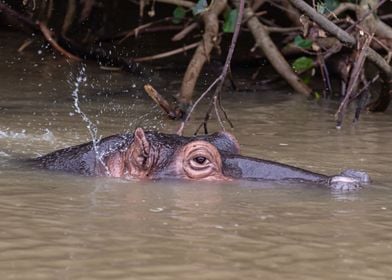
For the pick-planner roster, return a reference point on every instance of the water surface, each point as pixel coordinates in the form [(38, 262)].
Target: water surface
[(61, 226)]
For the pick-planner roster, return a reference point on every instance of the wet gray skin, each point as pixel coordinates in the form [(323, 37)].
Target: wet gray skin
[(161, 156), (248, 168), (242, 167)]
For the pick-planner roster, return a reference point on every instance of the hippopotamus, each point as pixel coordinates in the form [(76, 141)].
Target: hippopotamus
[(154, 155)]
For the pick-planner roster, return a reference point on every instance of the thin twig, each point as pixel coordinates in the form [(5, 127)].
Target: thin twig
[(273, 29), (184, 32), (25, 44), (362, 99), (353, 81), (224, 111), (365, 15), (343, 7), (166, 54), (183, 123), (206, 119), (136, 30), (226, 66), (183, 3), (368, 84), (375, 78), (218, 117), (324, 74), (48, 36), (222, 76)]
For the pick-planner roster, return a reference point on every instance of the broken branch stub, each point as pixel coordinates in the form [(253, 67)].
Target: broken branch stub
[(171, 112)]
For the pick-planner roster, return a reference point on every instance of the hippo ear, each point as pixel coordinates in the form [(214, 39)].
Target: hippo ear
[(140, 149)]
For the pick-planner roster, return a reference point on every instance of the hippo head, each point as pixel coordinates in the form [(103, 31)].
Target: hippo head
[(214, 157), (155, 156)]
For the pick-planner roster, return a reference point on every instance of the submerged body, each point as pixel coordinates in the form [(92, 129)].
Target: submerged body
[(153, 155)]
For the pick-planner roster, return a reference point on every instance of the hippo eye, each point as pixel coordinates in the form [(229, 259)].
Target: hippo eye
[(199, 162), (200, 159)]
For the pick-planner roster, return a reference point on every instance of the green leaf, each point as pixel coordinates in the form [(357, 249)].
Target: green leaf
[(302, 63), (302, 43), (230, 21), (178, 14), (200, 7)]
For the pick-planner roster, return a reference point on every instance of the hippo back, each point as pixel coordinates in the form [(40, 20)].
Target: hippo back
[(83, 159)]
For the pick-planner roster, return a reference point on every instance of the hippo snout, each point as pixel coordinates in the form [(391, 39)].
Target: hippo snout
[(348, 180)]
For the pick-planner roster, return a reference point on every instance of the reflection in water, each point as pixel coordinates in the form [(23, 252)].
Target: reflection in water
[(60, 226)]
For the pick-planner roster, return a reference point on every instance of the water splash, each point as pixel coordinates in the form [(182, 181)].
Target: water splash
[(81, 79), (13, 135), (22, 142), (4, 154), (47, 136)]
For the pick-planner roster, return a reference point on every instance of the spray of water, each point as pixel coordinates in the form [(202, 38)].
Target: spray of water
[(80, 80)]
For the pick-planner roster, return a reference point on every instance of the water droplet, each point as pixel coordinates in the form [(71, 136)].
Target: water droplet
[(156, 210)]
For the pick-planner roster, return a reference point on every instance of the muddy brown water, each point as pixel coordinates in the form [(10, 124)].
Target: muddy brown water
[(61, 226)]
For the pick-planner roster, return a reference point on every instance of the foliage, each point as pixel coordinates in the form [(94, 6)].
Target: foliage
[(178, 14), (302, 63), (230, 20), (299, 41)]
